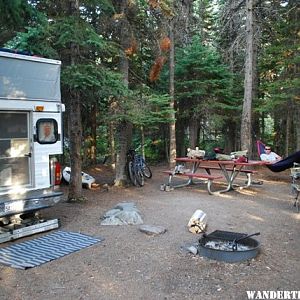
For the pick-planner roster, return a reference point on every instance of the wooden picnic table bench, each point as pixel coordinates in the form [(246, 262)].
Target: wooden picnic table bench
[(247, 172), (208, 177)]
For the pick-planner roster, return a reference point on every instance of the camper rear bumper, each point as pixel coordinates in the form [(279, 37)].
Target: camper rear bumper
[(28, 202)]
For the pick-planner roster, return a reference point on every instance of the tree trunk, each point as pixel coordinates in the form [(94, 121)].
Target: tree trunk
[(184, 21), (193, 132), (230, 132), (143, 141), (250, 71), (287, 132), (180, 137), (263, 125), (165, 131), (75, 187), (94, 134), (230, 127), (255, 127), (201, 13), (124, 127), (111, 142), (297, 125), (172, 125), (124, 135), (277, 145)]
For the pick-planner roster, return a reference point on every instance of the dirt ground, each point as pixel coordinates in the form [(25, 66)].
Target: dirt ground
[(129, 264)]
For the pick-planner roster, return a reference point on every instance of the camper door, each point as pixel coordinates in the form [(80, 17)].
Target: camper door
[(15, 150), (47, 142)]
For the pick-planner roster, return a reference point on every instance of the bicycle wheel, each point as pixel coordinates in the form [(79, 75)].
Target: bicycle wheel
[(131, 173), (147, 171), (139, 176)]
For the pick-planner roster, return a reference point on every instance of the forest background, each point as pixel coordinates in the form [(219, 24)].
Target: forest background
[(165, 75)]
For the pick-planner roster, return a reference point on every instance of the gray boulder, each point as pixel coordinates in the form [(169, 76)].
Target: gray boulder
[(122, 214), (152, 230)]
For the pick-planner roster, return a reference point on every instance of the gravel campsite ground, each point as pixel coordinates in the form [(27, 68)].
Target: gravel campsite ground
[(129, 264)]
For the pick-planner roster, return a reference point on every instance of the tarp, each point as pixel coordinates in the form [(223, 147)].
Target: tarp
[(27, 77)]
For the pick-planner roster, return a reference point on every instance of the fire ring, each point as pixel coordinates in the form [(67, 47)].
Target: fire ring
[(228, 246)]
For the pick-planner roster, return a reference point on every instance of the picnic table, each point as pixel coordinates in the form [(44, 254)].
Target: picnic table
[(229, 170)]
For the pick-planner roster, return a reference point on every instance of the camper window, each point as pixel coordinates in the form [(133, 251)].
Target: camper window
[(47, 131)]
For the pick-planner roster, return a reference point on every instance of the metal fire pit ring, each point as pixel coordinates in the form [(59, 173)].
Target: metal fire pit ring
[(228, 255)]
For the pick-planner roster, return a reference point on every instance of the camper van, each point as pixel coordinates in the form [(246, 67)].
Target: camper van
[(30, 141)]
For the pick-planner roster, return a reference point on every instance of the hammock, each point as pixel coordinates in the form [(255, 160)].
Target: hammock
[(281, 165)]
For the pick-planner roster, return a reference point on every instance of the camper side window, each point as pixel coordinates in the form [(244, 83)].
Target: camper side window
[(47, 131)]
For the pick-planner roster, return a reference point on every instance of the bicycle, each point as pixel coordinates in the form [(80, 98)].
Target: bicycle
[(138, 170)]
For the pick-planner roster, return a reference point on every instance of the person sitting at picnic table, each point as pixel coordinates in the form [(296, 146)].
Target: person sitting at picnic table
[(277, 163)]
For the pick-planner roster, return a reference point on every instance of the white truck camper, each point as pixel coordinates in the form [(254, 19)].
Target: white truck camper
[(30, 138)]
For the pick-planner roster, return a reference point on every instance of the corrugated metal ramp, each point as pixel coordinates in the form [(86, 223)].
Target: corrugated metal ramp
[(35, 252)]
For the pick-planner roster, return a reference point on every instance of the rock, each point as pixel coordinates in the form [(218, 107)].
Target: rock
[(122, 214), (111, 213), (126, 206), (152, 230), (192, 249)]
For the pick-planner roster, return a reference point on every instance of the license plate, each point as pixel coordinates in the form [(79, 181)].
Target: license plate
[(13, 206)]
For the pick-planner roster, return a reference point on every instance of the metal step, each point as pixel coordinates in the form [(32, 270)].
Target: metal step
[(29, 230)]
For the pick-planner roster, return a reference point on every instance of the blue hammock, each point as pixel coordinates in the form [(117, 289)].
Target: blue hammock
[(281, 165)]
